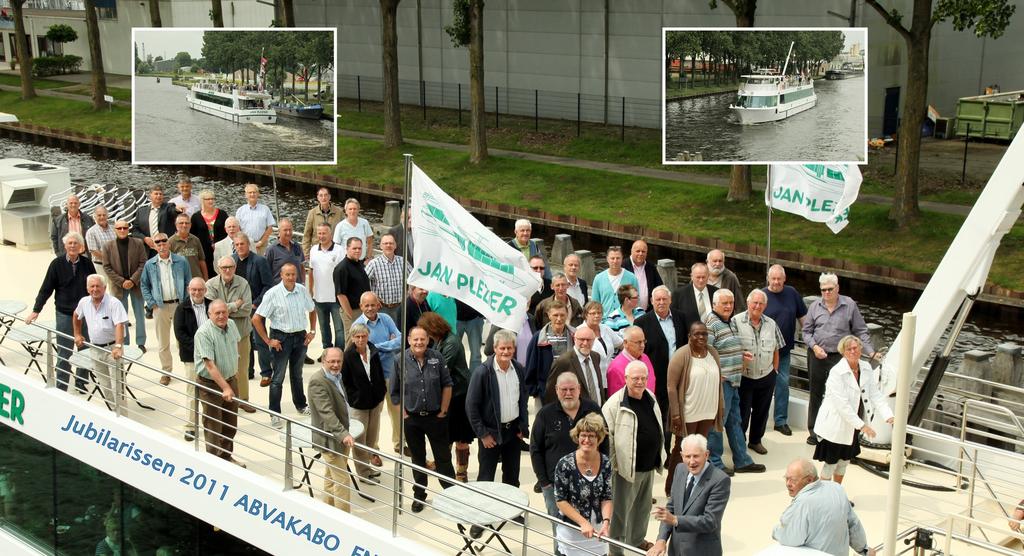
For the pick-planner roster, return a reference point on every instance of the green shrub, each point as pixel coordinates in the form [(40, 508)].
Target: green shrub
[(53, 65)]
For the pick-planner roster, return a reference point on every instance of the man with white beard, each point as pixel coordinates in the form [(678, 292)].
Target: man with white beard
[(721, 277)]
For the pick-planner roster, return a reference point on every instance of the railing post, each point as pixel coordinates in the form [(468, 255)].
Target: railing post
[(117, 382), (289, 483), (899, 430), (967, 140), (51, 378), (460, 104), (497, 108), (622, 136), (536, 111), (195, 418), (579, 99), (359, 94)]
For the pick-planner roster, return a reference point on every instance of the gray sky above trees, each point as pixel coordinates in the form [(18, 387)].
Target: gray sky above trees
[(168, 42)]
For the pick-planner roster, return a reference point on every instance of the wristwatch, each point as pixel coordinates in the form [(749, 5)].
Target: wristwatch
[(119, 346)]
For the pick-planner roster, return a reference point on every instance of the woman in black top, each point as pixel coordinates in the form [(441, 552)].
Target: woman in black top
[(583, 490), (208, 226), (460, 432)]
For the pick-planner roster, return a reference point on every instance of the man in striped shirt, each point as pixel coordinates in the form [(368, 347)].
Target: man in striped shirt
[(287, 306), (386, 277)]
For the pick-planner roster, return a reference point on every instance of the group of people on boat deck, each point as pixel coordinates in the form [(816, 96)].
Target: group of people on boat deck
[(628, 378)]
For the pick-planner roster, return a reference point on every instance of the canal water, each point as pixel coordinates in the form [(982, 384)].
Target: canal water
[(834, 130), (880, 304), (166, 129)]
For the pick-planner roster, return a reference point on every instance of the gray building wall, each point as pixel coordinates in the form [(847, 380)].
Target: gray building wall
[(558, 47), (960, 64), (116, 34)]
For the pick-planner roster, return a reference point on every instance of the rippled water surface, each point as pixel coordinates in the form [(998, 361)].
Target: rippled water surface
[(165, 129), (834, 130)]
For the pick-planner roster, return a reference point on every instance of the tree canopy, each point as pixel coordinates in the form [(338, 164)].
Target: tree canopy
[(761, 49), (295, 52)]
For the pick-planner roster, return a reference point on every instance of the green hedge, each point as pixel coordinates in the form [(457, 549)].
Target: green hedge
[(53, 65)]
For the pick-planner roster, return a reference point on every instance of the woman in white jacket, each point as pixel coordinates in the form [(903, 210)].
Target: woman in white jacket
[(851, 392)]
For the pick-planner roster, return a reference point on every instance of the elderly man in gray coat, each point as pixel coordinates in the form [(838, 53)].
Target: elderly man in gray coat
[(693, 515)]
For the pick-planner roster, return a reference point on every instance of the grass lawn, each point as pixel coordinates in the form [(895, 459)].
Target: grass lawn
[(86, 90), (672, 91), (663, 205), (70, 114), (15, 81)]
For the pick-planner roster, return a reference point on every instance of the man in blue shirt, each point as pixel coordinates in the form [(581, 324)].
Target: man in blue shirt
[(786, 307)]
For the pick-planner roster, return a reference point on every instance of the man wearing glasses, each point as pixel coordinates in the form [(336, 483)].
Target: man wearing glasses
[(123, 261), (165, 281), (828, 319)]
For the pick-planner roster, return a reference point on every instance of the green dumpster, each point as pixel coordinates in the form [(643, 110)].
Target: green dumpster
[(996, 116)]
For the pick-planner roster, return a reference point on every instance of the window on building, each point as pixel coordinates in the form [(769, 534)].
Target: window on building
[(106, 9), (3, 51), (43, 46)]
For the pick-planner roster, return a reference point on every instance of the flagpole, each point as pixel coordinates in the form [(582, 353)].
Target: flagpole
[(277, 201), (407, 234), (768, 193)]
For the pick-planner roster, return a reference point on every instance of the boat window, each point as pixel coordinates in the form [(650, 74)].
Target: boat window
[(746, 101), (797, 95)]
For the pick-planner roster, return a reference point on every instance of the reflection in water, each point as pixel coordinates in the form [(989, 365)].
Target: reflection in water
[(879, 303), (834, 130), (167, 130)]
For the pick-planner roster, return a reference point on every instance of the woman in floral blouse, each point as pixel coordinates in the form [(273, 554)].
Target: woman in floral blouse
[(583, 490)]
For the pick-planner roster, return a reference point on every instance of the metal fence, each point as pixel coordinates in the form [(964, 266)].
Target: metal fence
[(284, 455), (578, 108)]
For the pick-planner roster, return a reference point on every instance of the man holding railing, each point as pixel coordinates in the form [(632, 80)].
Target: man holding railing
[(216, 355), (65, 280), (105, 319)]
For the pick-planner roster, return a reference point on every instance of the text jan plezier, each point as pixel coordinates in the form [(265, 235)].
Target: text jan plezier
[(202, 484)]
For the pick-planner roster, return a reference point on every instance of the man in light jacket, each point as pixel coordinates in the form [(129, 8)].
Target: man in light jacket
[(637, 453)]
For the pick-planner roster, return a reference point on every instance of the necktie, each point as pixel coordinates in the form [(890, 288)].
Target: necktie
[(701, 306), (588, 373), (689, 488)]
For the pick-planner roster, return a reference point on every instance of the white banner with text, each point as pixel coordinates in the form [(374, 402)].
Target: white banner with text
[(818, 192)]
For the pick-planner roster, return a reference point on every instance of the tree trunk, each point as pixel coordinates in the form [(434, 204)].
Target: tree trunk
[(99, 80), (154, 14), (389, 46), (477, 129), (288, 11), (305, 84), (905, 208), (693, 67), (28, 90), (739, 181), (217, 12)]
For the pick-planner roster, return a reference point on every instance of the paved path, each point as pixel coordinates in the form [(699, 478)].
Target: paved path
[(56, 93), (688, 177)]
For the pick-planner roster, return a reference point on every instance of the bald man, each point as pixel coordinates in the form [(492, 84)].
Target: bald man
[(216, 365), (582, 362), (647, 276)]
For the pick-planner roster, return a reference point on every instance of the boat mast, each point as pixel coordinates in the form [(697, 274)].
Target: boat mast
[(786, 65)]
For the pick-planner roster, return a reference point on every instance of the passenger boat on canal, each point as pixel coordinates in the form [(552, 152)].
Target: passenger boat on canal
[(767, 96), (228, 102)]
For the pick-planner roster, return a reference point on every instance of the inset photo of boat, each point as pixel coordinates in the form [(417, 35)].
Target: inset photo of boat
[(764, 96), (249, 96)]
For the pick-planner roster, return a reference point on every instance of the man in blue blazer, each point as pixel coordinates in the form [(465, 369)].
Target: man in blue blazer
[(693, 516)]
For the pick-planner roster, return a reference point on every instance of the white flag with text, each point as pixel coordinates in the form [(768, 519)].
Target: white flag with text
[(458, 256), (818, 192)]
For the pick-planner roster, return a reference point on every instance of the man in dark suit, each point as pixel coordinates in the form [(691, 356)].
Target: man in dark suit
[(577, 285), (574, 361), (398, 232), (187, 318), (256, 270), (164, 216), (693, 299), (666, 331), (329, 412), (123, 260), (646, 273), (693, 515)]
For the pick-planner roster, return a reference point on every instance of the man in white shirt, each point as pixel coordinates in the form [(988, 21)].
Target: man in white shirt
[(98, 235), (323, 257), (647, 276), (255, 219), (105, 319), (186, 202)]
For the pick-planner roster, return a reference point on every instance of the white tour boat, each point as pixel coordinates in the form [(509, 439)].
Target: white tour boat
[(767, 96), (231, 103)]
